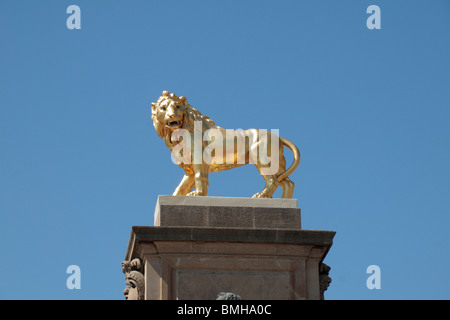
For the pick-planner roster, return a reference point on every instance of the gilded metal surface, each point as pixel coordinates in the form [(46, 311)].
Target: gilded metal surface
[(200, 147)]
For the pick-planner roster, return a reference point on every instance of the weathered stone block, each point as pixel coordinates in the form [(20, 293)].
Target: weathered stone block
[(226, 212)]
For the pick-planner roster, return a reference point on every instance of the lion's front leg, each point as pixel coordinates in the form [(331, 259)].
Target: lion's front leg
[(200, 181), (186, 185)]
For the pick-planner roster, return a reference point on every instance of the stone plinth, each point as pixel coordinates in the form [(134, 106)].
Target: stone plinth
[(201, 246), (223, 212)]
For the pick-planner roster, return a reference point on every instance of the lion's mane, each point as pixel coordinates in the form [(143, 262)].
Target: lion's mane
[(190, 116)]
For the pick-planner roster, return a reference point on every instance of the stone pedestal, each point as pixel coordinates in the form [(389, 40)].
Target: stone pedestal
[(202, 246)]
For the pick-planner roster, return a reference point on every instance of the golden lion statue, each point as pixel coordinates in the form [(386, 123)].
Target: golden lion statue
[(200, 147)]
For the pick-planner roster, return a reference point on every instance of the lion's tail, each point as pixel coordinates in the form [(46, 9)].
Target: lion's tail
[(294, 164)]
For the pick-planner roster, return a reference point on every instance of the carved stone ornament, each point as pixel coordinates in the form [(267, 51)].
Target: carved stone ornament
[(228, 296), (324, 279), (134, 279)]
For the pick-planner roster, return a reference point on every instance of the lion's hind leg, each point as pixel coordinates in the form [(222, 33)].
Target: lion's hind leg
[(272, 182), (288, 188), (269, 189)]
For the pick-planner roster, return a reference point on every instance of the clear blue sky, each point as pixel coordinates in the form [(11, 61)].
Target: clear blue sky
[(80, 162)]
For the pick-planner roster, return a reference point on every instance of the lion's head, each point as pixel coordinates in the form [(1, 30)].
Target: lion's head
[(171, 112)]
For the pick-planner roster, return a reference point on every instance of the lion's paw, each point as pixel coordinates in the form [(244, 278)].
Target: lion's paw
[(194, 193), (261, 195)]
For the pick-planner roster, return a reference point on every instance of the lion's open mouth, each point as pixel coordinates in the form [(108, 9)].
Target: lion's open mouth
[(173, 123)]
